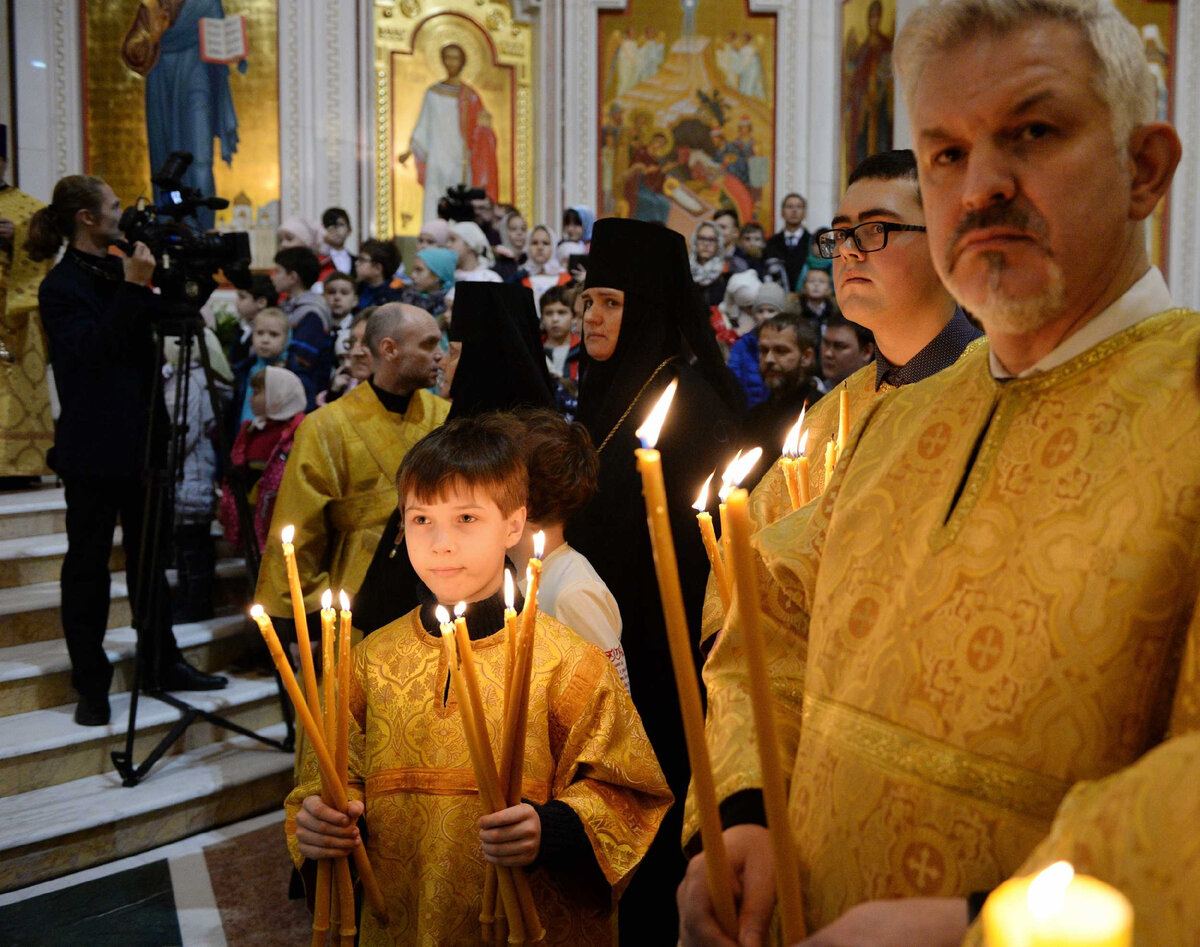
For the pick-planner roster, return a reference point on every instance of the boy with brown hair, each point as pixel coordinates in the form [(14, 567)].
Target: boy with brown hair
[(595, 792), (563, 468)]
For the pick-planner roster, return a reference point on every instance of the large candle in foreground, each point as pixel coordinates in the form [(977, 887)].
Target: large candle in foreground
[(303, 643), (720, 878), (787, 867), (1057, 908), (709, 539), (843, 421)]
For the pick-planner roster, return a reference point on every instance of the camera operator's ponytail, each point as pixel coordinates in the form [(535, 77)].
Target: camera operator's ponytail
[(55, 223)]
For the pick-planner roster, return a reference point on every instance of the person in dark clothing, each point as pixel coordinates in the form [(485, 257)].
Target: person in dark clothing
[(501, 367), (375, 266), (787, 357), (310, 346), (790, 245), (645, 325), (97, 312)]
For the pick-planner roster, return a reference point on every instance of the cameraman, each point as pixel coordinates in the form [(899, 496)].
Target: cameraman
[(97, 312)]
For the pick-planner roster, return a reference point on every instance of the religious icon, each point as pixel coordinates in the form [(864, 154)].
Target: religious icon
[(453, 141), (188, 75), (867, 87), (687, 99), (188, 100), (453, 106)]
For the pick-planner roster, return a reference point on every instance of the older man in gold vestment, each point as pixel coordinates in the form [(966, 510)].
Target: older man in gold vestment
[(995, 597), (338, 488)]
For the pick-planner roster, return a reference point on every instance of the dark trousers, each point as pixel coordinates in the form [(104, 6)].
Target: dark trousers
[(94, 505)]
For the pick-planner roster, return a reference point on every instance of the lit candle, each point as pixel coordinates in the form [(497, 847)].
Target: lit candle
[(324, 894), (843, 420), (830, 461), (302, 640), (461, 667), (710, 542), (790, 461), (1057, 908), (325, 763), (726, 485), (510, 631), (802, 471), (787, 868), (516, 714), (342, 755), (649, 461)]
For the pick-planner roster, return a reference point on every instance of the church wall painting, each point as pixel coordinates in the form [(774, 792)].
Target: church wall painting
[(868, 93), (165, 54), (454, 101), (687, 112)]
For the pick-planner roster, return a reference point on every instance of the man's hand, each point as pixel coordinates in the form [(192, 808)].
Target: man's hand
[(512, 836), (323, 832), (749, 851), (139, 267), (931, 922)]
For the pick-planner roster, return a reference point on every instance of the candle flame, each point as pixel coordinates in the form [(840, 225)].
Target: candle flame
[(803, 444), (288, 534), (443, 616), (745, 465), (510, 595), (701, 503), (344, 600), (727, 477), (539, 543), (648, 432), (256, 611), (1049, 889), (791, 443), (327, 600), (460, 609)]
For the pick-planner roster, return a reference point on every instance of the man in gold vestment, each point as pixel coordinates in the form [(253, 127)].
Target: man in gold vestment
[(995, 597), (26, 427), (886, 282), (338, 487)]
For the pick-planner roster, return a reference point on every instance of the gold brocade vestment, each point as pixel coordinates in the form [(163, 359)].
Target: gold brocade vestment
[(770, 501), (409, 762), (26, 427), (338, 490), (993, 601)]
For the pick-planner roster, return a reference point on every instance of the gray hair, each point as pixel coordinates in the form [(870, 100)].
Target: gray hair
[(1122, 76)]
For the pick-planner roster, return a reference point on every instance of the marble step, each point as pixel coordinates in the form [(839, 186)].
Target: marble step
[(55, 830), (32, 612), (37, 676), (46, 747), (27, 560), (32, 512)]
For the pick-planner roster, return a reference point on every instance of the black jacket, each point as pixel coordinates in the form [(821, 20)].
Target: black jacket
[(793, 260), (105, 363)]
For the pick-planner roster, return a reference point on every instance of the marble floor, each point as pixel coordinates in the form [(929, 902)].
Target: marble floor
[(223, 886)]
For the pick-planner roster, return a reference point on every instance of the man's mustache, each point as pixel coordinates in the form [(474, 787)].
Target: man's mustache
[(1010, 215)]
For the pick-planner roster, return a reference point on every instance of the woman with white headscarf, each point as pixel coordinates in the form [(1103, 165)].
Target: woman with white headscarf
[(475, 256), (511, 254), (706, 254)]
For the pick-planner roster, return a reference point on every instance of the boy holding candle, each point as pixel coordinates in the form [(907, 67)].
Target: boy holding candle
[(595, 792)]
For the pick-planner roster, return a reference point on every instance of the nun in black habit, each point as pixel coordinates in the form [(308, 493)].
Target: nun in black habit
[(661, 333), (502, 367)]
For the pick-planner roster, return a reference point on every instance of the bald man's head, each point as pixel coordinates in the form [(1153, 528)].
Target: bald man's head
[(392, 321), (406, 343)]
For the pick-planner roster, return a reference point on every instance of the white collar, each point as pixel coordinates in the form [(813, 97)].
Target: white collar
[(1147, 297)]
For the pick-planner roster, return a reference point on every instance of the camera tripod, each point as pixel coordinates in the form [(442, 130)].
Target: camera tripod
[(184, 322)]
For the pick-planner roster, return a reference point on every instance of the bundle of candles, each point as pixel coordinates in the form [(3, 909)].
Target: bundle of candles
[(795, 452), (507, 897), (328, 732), (742, 589)]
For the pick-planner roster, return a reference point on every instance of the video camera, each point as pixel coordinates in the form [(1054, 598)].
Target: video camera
[(187, 259)]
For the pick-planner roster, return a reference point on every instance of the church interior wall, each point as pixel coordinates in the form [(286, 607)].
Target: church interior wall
[(328, 145)]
